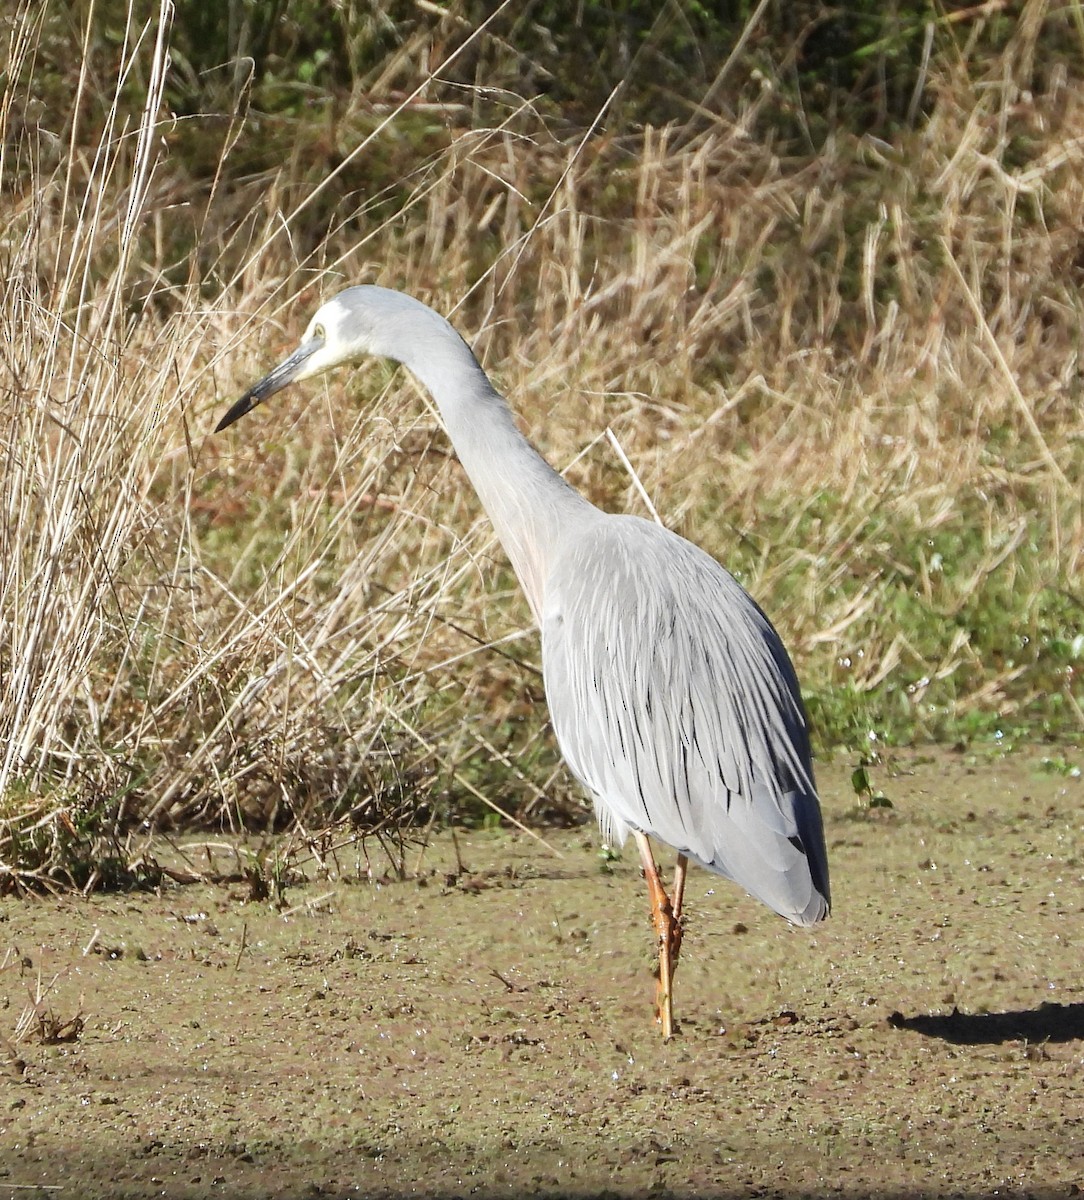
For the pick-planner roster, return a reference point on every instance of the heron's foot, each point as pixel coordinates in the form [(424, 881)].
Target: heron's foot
[(664, 1012)]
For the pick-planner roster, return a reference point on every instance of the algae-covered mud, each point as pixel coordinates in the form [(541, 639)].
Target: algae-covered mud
[(484, 1028)]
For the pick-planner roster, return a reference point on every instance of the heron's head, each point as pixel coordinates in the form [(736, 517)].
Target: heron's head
[(356, 323)]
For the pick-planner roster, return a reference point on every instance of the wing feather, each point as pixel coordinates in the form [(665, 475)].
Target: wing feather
[(675, 704)]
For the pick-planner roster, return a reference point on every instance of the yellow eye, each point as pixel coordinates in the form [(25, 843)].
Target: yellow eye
[(319, 332)]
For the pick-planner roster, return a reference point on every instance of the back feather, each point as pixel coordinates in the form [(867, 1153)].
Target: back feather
[(675, 704)]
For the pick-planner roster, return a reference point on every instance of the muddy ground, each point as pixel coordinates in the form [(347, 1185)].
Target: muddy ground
[(489, 1031)]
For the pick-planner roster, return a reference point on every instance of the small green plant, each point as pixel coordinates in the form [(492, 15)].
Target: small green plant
[(607, 856), (864, 789), (1059, 765), (270, 870)]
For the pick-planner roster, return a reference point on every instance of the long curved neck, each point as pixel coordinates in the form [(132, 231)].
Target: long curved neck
[(529, 503)]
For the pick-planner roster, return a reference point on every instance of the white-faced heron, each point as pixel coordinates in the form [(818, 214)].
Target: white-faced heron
[(673, 699)]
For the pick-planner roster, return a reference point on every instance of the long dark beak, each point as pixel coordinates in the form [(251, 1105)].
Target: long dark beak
[(286, 372)]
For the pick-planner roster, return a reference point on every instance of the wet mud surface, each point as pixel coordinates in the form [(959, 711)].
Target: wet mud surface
[(489, 1031)]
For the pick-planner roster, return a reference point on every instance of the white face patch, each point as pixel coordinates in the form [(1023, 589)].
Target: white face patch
[(338, 334)]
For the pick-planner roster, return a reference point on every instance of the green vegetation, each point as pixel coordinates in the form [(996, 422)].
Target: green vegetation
[(820, 280)]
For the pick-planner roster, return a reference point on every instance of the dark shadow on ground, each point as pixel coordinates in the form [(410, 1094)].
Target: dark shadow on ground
[(1047, 1023)]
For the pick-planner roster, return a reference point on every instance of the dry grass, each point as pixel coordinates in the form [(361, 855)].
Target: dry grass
[(855, 377)]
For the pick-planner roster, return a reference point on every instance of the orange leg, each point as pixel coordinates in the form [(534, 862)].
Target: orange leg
[(680, 871), (666, 916)]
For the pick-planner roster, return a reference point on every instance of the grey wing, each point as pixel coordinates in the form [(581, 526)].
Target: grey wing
[(675, 704)]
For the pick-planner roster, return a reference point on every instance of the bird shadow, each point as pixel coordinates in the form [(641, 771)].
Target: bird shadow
[(1046, 1023)]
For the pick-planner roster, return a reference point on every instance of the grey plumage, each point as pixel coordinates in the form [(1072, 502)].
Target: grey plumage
[(674, 702), (672, 696)]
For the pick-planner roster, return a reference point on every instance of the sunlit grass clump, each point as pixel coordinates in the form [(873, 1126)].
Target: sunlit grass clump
[(851, 373)]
